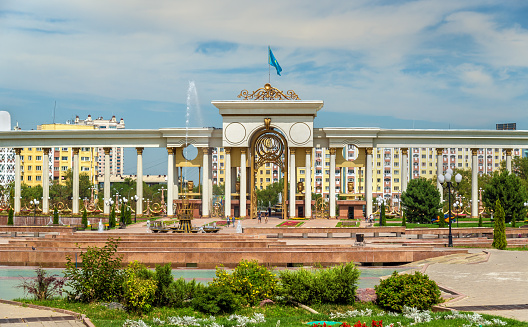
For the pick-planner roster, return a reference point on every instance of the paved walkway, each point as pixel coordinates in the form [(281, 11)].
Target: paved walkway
[(19, 316), (495, 284)]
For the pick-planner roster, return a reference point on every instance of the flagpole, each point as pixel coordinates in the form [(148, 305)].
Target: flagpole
[(269, 66)]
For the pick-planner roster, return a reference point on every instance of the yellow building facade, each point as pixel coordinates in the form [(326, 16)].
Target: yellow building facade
[(60, 159)]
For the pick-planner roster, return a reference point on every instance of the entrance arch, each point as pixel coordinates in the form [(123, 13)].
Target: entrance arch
[(268, 145)]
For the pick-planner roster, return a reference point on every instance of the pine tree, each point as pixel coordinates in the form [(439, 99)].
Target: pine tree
[(111, 219), (513, 220), (55, 216), (480, 223), (499, 229), (404, 223), (441, 219), (10, 220), (84, 221), (129, 216), (383, 220)]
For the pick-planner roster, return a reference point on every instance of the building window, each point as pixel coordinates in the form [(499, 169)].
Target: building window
[(29, 157), (29, 168), (64, 168), (38, 178), (39, 158), (38, 167), (29, 178), (267, 180), (64, 158)]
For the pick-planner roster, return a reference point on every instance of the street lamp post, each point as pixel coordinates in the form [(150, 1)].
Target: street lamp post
[(34, 203), (136, 198), (446, 178)]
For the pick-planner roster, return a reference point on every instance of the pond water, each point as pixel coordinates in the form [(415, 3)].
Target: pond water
[(10, 277)]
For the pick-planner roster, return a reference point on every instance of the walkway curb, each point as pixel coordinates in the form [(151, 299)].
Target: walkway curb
[(76, 315)]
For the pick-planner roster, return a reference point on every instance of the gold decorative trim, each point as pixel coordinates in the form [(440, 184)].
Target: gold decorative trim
[(205, 151), (171, 151), (509, 152), (474, 151), (227, 150), (139, 150), (268, 93), (75, 151), (107, 151), (368, 151), (332, 151), (439, 151), (243, 150), (46, 151), (404, 151), (267, 123), (18, 151), (308, 151)]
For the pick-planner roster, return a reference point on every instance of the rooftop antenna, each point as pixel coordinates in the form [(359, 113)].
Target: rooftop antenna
[(55, 106)]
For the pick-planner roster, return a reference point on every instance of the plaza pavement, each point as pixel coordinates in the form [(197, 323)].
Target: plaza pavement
[(486, 280), (13, 315)]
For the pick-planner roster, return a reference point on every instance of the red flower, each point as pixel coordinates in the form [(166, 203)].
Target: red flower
[(377, 323)]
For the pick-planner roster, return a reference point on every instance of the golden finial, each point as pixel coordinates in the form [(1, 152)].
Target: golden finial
[(268, 93)]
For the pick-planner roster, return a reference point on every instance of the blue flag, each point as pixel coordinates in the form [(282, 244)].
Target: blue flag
[(273, 62)]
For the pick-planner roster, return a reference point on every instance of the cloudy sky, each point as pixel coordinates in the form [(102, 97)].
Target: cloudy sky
[(391, 64)]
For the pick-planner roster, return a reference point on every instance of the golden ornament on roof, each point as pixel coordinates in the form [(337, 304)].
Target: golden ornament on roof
[(268, 93)]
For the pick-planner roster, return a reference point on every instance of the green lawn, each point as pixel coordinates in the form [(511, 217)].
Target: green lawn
[(288, 315)]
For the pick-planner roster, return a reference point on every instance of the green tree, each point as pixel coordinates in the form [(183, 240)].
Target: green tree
[(520, 168), (499, 229), (510, 191), (84, 184), (84, 221), (218, 189), (404, 222), (270, 195), (421, 201), (383, 220), (10, 220), (55, 216), (111, 219)]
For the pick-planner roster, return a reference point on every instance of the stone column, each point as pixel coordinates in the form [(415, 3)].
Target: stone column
[(75, 172), (45, 181), (308, 185), (368, 181), (293, 182), (210, 195), (439, 171), (243, 183), (404, 168), (170, 181), (139, 182), (227, 192), (106, 190), (333, 183), (205, 182), (18, 182), (474, 184), (509, 160)]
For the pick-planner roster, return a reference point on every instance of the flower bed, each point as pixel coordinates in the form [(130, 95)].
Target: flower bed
[(290, 223)]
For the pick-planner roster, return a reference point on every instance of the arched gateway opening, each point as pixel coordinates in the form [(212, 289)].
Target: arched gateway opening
[(268, 146)]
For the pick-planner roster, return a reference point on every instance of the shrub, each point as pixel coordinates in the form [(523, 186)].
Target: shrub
[(84, 220), (480, 223), (139, 288), (441, 219), (499, 229), (99, 279), (251, 281), (215, 299), (44, 286), (129, 216), (416, 291), (404, 222), (10, 220), (336, 285), (55, 216)]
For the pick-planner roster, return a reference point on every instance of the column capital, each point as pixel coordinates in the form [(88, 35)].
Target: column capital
[(474, 151), (139, 150), (368, 151), (18, 151), (243, 150), (308, 150), (227, 150), (75, 151), (171, 151), (332, 151), (508, 152), (404, 151), (107, 150), (205, 151), (439, 151), (46, 151)]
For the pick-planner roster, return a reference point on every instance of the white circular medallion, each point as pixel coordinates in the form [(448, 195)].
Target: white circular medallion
[(235, 133), (300, 133)]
